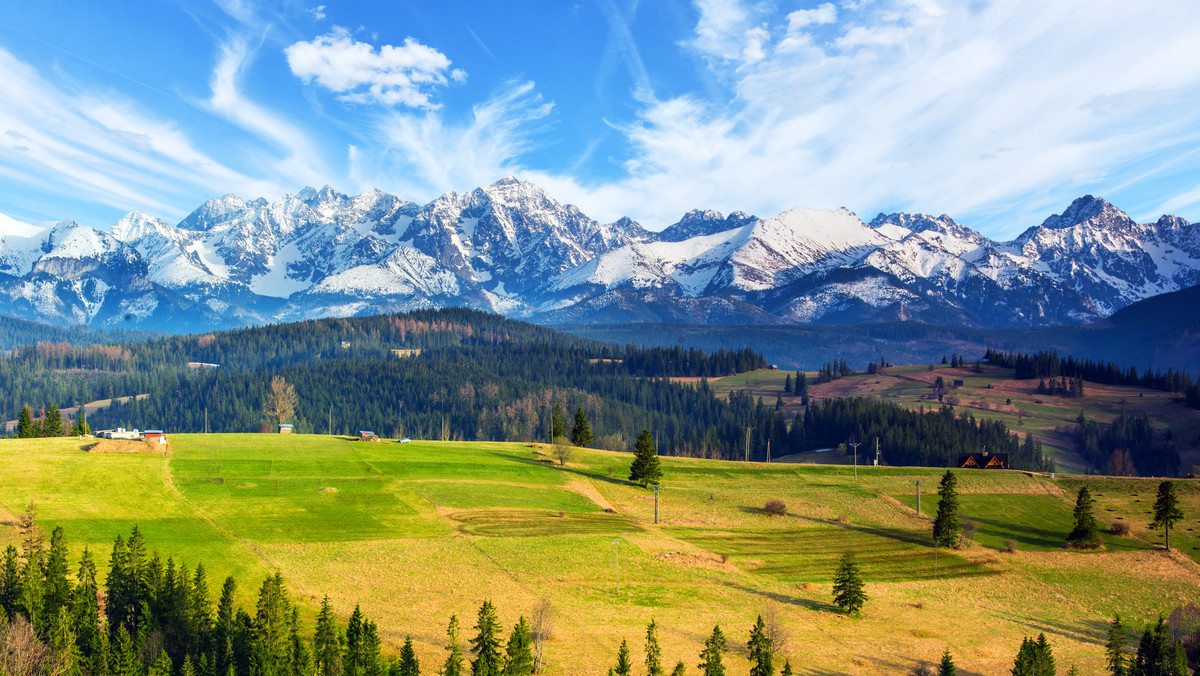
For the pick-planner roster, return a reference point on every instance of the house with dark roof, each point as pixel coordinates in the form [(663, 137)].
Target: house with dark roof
[(983, 461)]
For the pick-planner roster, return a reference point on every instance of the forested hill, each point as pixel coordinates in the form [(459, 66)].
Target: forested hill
[(17, 332)]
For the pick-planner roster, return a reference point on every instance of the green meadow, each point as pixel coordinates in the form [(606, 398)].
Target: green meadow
[(416, 532)]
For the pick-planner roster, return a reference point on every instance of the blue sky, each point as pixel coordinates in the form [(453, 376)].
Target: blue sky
[(997, 113)]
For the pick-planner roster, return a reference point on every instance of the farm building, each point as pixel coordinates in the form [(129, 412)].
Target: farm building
[(119, 433), (983, 461), (155, 436), (285, 428), (367, 435)]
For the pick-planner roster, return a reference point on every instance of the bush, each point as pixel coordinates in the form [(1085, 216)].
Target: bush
[(1119, 528), (969, 528), (775, 508), (612, 442), (843, 519), (1010, 546)]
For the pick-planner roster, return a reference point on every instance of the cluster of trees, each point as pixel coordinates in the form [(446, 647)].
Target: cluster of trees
[(1128, 446), (1048, 364), (760, 650), (930, 438), (831, 371), (676, 361), (1156, 653), (799, 387), (50, 423), (1070, 388)]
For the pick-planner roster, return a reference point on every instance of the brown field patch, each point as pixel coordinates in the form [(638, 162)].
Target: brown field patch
[(122, 446), (327, 489)]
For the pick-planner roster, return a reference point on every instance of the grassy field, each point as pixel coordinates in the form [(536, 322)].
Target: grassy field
[(993, 394), (416, 532)]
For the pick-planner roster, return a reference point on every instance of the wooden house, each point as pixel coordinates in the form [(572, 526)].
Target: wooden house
[(983, 461), (285, 428), (367, 435)]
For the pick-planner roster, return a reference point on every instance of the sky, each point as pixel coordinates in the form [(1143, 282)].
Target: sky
[(997, 113)]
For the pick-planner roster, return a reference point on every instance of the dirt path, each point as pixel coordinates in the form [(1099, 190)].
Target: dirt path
[(587, 489)]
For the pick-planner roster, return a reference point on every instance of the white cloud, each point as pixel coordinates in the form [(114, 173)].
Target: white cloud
[(393, 75), (318, 12), (897, 107)]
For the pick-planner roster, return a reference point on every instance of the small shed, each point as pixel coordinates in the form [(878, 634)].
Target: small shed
[(285, 428), (367, 435), (155, 436)]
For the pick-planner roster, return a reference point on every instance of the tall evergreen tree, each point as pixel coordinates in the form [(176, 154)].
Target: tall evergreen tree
[(1114, 648), (711, 664), (327, 654), (454, 654), (518, 654), (760, 650), (787, 668), (623, 666), (1034, 658), (10, 582), (946, 526), (1156, 654), (80, 427), (31, 599), (408, 665), (653, 651), (52, 424), (558, 425), (486, 644), (352, 650), (946, 667), (581, 433), (58, 587), (371, 662), (272, 625), (225, 630), (680, 669), (1086, 533), (85, 608), (848, 592), (645, 468), (25, 424), (1166, 510)]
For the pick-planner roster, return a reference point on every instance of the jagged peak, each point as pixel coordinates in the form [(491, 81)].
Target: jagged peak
[(1088, 209)]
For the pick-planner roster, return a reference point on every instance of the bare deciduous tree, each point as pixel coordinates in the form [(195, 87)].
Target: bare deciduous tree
[(542, 630), (772, 617), (21, 653), (280, 404), (562, 453)]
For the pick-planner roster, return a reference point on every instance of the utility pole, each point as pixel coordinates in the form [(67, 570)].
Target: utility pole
[(918, 484), (331, 420), (617, 558), (656, 487), (855, 444), (876, 451), (712, 512), (748, 428), (768, 451), (206, 420)]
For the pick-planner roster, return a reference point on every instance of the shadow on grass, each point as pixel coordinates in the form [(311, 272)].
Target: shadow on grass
[(1024, 533), (898, 534), (810, 604), (578, 472), (1091, 631)]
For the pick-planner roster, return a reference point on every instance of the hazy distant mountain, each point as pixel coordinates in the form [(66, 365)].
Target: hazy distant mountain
[(512, 249)]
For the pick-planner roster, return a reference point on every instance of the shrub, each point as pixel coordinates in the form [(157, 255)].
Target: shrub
[(775, 508), (843, 519), (1119, 528), (612, 442), (969, 528), (1010, 546)]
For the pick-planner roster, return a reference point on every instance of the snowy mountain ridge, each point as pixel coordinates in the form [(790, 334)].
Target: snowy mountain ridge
[(511, 248)]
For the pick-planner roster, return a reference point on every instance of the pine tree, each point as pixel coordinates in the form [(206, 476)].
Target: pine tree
[(711, 655), (1166, 510), (848, 593), (645, 468), (946, 527), (25, 424), (787, 668), (680, 669), (10, 581), (653, 651), (946, 667), (581, 433), (787, 384), (760, 650), (224, 630), (161, 666), (454, 658), (57, 588), (1035, 658), (1114, 649), (31, 598), (409, 666), (85, 608), (518, 654), (52, 425), (272, 623), (371, 663), (326, 651), (486, 644), (623, 666), (352, 649), (558, 425), (1086, 533)]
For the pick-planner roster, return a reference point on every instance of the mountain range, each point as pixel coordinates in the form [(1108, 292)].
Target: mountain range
[(512, 249)]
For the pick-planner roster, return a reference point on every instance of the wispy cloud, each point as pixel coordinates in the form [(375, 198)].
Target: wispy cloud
[(1006, 107), (393, 75)]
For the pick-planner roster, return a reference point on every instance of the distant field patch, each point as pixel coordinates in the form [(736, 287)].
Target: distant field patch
[(536, 523), (480, 495)]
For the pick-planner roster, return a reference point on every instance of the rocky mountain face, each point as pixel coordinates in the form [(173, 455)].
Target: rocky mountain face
[(510, 248)]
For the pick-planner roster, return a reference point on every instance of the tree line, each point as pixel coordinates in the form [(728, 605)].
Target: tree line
[(1047, 364), (1127, 446)]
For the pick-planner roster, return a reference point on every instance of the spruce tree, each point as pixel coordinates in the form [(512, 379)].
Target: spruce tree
[(518, 654), (645, 468), (408, 665), (581, 433), (31, 599), (25, 424), (52, 424), (1086, 533), (85, 608), (57, 587), (486, 644), (680, 669), (1166, 510), (848, 593), (161, 666), (946, 527), (787, 668), (224, 630), (623, 666), (10, 581), (453, 665), (710, 657), (787, 384), (1114, 648), (946, 667), (760, 650), (352, 649), (326, 649), (558, 425), (653, 651), (371, 663)]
